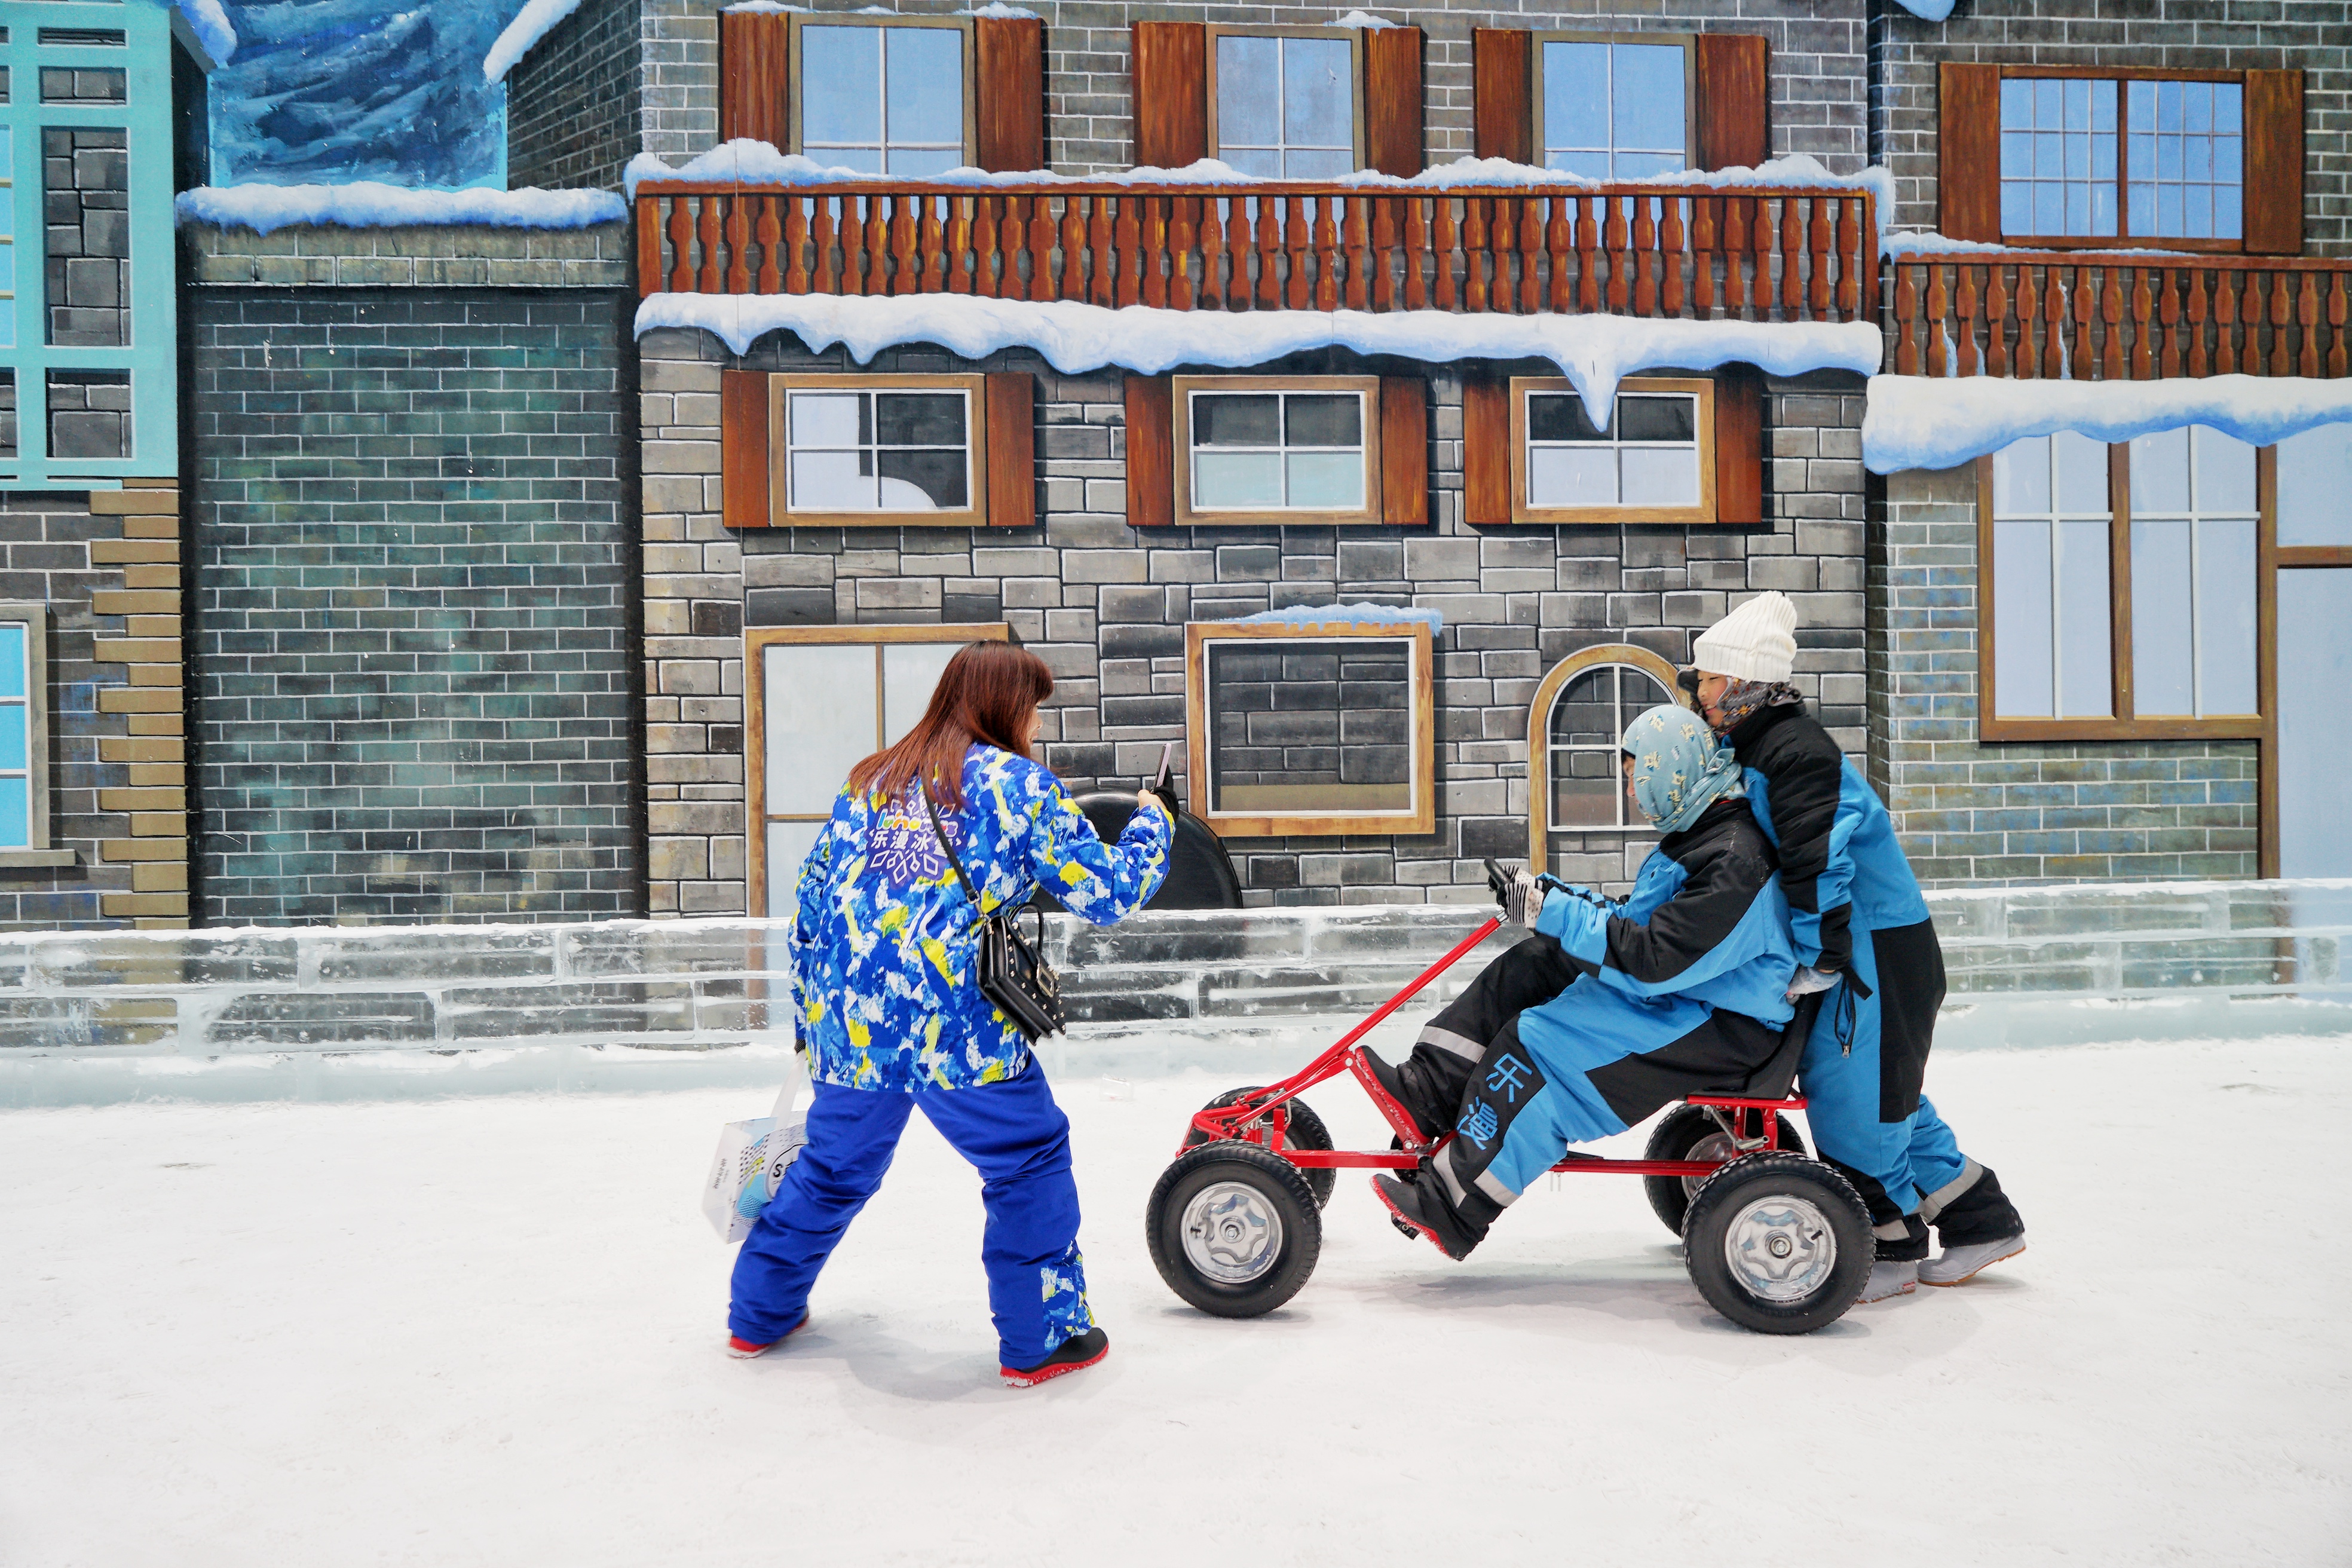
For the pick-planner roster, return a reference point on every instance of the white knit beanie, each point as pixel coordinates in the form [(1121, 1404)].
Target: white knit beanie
[(1758, 641)]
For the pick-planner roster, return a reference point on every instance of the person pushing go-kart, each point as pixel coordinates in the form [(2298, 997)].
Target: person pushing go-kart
[(1611, 1010)]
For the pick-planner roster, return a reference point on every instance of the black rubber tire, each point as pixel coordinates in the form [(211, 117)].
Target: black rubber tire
[(1676, 1137), (1307, 1132), (1762, 1178), (1278, 1184)]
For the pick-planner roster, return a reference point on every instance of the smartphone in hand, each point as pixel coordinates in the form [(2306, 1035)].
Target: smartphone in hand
[(1163, 783)]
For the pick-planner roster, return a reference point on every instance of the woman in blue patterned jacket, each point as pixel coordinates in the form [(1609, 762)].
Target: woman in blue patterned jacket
[(885, 982)]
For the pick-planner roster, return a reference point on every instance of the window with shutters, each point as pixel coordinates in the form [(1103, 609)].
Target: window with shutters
[(2110, 157), (1653, 462), (883, 96), (1614, 107), (848, 450), (1283, 102), (1297, 449), (2121, 586)]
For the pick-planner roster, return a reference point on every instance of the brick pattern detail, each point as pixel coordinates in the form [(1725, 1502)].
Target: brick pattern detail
[(413, 536), (108, 567), (2135, 810), (2206, 34), (1105, 606), (450, 256), (574, 102)]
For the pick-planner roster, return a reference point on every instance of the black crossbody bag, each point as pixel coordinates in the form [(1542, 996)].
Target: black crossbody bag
[(1013, 973)]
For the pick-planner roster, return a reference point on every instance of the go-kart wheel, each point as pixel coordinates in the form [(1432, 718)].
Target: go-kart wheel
[(1305, 1131), (1688, 1132), (1234, 1228), (1778, 1243)]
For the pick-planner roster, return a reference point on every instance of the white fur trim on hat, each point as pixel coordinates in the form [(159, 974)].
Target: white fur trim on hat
[(1758, 641)]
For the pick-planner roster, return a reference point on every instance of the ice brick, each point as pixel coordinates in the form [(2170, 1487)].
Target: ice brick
[(88, 1023), (195, 959), (604, 1007), (283, 1020), (2080, 966), (429, 955), (657, 948), (2258, 961), (2078, 911)]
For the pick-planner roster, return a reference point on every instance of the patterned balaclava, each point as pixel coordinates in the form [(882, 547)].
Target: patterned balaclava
[(1679, 767)]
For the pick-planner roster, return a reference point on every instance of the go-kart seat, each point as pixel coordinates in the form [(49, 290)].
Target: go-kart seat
[(1774, 1079)]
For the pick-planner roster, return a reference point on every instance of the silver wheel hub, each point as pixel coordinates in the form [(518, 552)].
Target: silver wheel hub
[(1232, 1234), (1780, 1248), (1715, 1146)]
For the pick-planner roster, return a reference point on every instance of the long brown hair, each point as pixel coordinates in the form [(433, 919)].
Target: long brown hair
[(988, 693)]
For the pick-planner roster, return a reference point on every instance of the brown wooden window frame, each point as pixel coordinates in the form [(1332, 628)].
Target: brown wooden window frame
[(1704, 511), (1354, 37), (2124, 237), (1367, 386), (2125, 724), (1687, 42), (977, 487), (1555, 681), (799, 101), (1422, 818)]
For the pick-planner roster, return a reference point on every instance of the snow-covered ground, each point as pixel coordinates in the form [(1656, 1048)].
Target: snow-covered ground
[(487, 1330)]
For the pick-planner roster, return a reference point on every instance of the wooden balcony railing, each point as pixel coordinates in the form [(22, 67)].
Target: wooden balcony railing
[(1772, 255), (2118, 317)]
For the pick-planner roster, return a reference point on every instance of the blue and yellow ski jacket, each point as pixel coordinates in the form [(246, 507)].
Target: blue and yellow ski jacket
[(885, 977)]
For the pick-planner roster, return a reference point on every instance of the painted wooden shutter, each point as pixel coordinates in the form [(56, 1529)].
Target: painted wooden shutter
[(1732, 134), (1171, 93), (1485, 452), (1503, 119), (1739, 445), (1012, 451), (1404, 450), (2274, 212), (743, 469), (1151, 449), (1967, 152), (754, 76), (1010, 56), (1393, 100)]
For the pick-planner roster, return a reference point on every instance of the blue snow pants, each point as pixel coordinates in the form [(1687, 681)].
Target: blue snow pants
[(1019, 1140)]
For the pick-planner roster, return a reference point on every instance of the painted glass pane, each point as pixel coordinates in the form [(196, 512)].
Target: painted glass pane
[(820, 720), (2085, 628), (2225, 616), (911, 670), (2163, 664), (925, 88), (1318, 102), (2314, 488), (2024, 682), (2159, 473), (788, 844), (2314, 655), (841, 88), (12, 738), (15, 814), (13, 675)]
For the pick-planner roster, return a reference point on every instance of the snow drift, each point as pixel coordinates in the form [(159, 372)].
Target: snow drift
[(1924, 422), (367, 203)]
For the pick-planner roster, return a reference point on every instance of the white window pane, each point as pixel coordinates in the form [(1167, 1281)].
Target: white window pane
[(2225, 472), (2161, 643), (2225, 616), (910, 672), (788, 844), (1319, 100), (2020, 478), (2086, 625), (1222, 479), (904, 495), (1592, 165), (820, 721), (925, 84), (2022, 682), (1328, 482), (1648, 98), (1319, 164), (919, 163), (1656, 476), (1249, 90), (1572, 476), (2315, 486), (825, 418), (1576, 95), (2159, 473), (2315, 651), (830, 481), (841, 85), (2081, 472)]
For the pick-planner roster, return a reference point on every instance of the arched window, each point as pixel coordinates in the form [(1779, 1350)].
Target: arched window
[(1581, 709)]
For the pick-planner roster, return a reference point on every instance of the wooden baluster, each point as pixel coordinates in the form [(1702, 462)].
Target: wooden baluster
[(1102, 277), (1996, 320), (1792, 279), (955, 244), (940, 259), (1817, 257), (852, 229), (707, 235), (1559, 238), (2145, 330), (1645, 259), (1474, 253), (1441, 246), (1735, 251), (1045, 241), (1173, 287), (2306, 312), (1588, 251), (985, 210), (2086, 303), (770, 235), (2282, 316), (1939, 306), (1270, 253), (2225, 320), (878, 246), (796, 276), (1761, 242), (1705, 212), (1380, 285), (1241, 289), (682, 244), (908, 279), (1906, 311), (2111, 311), (1071, 235), (1416, 248), (1360, 257), (1298, 248), (1614, 249), (827, 280), (1129, 234), (1011, 245), (1849, 258), (1965, 309), (2028, 313), (1503, 244), (2054, 297), (1210, 291), (2167, 305), (1327, 254), (2199, 313), (1530, 245), (738, 247), (2337, 305), (1670, 241)]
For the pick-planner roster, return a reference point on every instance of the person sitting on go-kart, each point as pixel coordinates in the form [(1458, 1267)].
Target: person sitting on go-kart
[(1611, 1010)]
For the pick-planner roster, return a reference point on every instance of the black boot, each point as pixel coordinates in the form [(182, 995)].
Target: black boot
[(1077, 1352), (1403, 1085), (1419, 1207)]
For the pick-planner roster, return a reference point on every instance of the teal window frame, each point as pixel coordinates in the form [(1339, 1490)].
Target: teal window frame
[(152, 355)]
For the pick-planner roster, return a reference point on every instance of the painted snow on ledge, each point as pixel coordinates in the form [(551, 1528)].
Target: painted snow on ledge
[(1362, 614), (367, 203), (533, 22), (211, 25), (1922, 422), (1927, 10), (1593, 352), (759, 163)]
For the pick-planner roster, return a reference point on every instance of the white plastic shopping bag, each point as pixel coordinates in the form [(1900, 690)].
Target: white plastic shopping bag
[(750, 1161)]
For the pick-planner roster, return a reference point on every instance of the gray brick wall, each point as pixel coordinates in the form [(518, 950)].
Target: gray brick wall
[(574, 102), (1105, 606), (1970, 812), (2312, 35), (415, 553)]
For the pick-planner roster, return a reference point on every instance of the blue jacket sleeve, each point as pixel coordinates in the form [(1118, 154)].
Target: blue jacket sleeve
[(1708, 927), (1100, 882)]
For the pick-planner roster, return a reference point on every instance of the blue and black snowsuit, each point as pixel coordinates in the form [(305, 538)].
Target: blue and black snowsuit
[(1855, 910), (1607, 1013), (891, 1014)]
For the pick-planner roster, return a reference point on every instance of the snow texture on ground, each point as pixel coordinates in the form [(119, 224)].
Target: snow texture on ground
[(210, 24), (1593, 352), (1924, 422), (368, 203), (487, 1330)]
